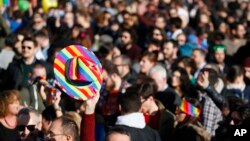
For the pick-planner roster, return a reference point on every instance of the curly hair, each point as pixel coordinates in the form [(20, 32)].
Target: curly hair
[(7, 98)]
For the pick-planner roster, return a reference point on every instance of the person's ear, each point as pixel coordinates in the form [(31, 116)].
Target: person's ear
[(234, 31), (113, 76), (69, 138), (49, 123), (175, 49), (120, 107)]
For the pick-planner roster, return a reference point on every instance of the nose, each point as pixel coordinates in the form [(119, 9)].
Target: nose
[(26, 131), (140, 63)]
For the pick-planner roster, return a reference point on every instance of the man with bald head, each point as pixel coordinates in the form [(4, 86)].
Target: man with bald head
[(29, 121)]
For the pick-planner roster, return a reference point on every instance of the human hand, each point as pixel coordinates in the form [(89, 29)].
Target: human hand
[(90, 104), (202, 80), (56, 98), (42, 92)]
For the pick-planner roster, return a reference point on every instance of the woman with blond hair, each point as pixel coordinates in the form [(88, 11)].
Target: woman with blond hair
[(9, 105)]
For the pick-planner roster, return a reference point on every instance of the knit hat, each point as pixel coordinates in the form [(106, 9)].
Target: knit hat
[(219, 47)]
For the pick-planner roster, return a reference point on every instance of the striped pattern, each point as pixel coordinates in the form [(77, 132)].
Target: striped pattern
[(189, 109), (83, 66)]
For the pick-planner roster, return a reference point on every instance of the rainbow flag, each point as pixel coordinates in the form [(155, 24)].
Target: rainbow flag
[(189, 109)]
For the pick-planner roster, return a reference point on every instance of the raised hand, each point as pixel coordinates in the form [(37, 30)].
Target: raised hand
[(202, 80), (56, 99), (90, 104)]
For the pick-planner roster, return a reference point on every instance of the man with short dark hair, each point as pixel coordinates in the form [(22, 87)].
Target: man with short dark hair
[(170, 49), (131, 123), (48, 116), (154, 45), (123, 64), (108, 104), (132, 120), (176, 28), (63, 129), (17, 75), (155, 114), (128, 46), (199, 58)]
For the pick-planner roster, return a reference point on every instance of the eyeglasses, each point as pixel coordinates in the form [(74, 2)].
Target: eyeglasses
[(51, 135), (29, 127), (28, 47)]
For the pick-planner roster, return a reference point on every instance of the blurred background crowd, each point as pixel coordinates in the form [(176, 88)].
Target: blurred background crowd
[(166, 52)]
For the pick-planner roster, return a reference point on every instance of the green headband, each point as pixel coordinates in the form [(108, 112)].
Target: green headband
[(219, 47)]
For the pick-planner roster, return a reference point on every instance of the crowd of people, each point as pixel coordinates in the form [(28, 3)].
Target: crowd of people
[(173, 70)]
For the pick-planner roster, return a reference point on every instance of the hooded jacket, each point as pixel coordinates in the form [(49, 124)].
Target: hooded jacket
[(135, 124)]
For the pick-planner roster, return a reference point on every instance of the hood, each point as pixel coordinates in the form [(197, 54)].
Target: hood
[(135, 120)]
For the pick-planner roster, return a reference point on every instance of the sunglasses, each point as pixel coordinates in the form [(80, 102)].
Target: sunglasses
[(28, 47), (29, 127)]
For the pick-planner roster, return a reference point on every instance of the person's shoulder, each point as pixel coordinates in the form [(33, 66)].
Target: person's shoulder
[(169, 90), (247, 89), (168, 113), (15, 63), (145, 134), (136, 47)]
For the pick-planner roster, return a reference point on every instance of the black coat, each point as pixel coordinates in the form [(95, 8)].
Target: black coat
[(169, 99), (14, 74), (145, 134)]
